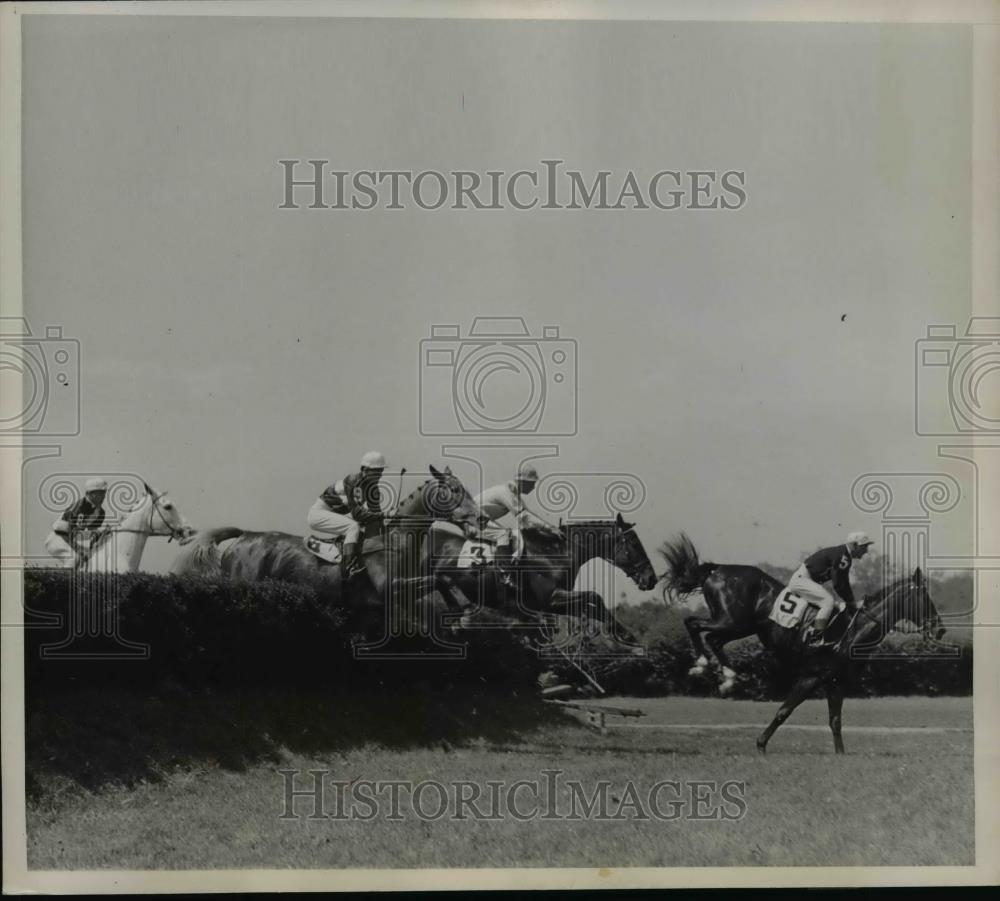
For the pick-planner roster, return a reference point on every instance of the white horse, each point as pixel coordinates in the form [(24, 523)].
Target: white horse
[(118, 549)]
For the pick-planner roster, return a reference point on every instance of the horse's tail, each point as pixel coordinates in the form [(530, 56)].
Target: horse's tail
[(685, 571), (201, 554)]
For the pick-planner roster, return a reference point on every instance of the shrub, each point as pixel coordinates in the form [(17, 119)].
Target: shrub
[(905, 664), (201, 631)]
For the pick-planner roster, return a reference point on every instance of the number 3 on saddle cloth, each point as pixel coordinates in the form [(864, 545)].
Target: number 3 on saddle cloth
[(475, 553)]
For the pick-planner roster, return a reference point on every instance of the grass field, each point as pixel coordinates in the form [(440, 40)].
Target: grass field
[(184, 798)]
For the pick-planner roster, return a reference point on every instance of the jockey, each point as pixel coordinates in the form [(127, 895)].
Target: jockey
[(78, 523), (506, 498), (832, 564), (347, 505)]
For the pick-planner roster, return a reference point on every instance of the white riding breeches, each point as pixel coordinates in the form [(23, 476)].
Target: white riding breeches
[(322, 519), (57, 546), (805, 587), (503, 537)]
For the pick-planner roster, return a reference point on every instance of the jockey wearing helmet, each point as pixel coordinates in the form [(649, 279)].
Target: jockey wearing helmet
[(831, 564), (76, 529), (347, 505), (504, 499)]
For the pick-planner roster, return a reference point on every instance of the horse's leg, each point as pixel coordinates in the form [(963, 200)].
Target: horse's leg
[(800, 691), (716, 638), (446, 587), (596, 610), (835, 702), (695, 626)]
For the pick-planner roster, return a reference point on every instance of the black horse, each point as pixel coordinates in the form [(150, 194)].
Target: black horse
[(740, 600), (545, 575)]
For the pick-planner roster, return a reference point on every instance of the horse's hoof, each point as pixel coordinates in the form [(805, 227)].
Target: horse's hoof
[(725, 688), (696, 671), (761, 746)]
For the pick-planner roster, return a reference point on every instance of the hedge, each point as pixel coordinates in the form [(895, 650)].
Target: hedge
[(205, 631), (915, 668), (202, 632)]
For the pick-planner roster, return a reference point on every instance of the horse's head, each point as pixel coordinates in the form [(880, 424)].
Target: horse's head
[(630, 556), (443, 497), (909, 601), (165, 518)]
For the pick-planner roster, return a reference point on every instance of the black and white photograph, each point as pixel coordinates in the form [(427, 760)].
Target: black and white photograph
[(499, 445)]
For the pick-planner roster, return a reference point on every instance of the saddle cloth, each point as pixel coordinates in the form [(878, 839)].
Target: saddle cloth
[(475, 552), (789, 609), (330, 550)]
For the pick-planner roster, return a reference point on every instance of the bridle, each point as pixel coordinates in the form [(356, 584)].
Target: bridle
[(632, 562), (927, 626), (621, 547), (154, 508)]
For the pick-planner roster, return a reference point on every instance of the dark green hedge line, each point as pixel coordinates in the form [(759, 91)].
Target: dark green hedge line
[(201, 631), (915, 668)]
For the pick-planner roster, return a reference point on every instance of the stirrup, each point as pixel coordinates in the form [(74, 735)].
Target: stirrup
[(354, 568)]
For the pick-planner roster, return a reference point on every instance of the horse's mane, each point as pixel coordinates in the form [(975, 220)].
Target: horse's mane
[(883, 593), (543, 538)]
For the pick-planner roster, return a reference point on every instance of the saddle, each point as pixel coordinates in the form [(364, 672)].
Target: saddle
[(330, 550)]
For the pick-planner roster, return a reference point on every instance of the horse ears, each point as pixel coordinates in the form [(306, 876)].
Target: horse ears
[(624, 526), (918, 576), (149, 490), (437, 474)]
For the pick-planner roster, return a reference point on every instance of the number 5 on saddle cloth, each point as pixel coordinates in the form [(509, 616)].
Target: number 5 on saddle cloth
[(790, 610)]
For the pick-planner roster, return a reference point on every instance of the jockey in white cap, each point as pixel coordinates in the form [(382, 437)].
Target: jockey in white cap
[(831, 564), (347, 505), (507, 498), (76, 529)]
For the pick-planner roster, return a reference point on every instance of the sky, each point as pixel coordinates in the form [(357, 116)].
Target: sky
[(745, 366)]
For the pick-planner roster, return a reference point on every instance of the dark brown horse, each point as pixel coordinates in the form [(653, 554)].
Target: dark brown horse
[(546, 572), (740, 599)]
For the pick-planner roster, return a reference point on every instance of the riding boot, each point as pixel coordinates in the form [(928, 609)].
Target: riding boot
[(816, 638), (351, 561), (505, 564)]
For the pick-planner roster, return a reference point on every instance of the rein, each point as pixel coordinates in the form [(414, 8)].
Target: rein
[(149, 530), (862, 610), (618, 540)]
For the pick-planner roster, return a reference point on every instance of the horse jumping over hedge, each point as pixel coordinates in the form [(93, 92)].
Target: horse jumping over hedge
[(119, 548), (740, 600), (253, 556), (546, 572)]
